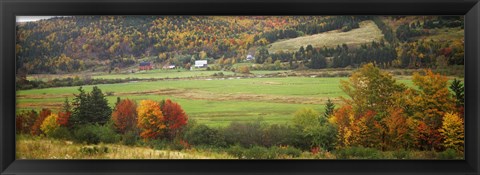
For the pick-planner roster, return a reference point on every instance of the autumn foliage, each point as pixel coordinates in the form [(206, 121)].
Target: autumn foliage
[(453, 132), (386, 115), (125, 116), (49, 124), (150, 119), (63, 117), (24, 121), (44, 113), (174, 117)]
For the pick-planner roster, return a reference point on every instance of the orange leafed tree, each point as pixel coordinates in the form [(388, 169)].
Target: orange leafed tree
[(175, 118), (150, 119), (44, 113), (125, 116)]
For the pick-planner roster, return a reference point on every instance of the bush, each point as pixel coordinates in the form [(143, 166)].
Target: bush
[(87, 134), (276, 135), (61, 133), (243, 70), (158, 144), (203, 135), (257, 152), (448, 154), (358, 153), (245, 134), (49, 125), (94, 134), (130, 138), (401, 154), (236, 151), (179, 144), (291, 151)]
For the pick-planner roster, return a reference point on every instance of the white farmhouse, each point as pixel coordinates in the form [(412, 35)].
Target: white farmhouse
[(250, 57), (201, 64)]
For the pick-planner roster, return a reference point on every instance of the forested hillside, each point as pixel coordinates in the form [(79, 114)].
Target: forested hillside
[(72, 44)]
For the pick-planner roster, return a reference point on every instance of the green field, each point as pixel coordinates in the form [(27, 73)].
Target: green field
[(367, 32), (156, 73), (215, 102)]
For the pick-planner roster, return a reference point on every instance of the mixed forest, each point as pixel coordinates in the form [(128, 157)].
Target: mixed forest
[(397, 95)]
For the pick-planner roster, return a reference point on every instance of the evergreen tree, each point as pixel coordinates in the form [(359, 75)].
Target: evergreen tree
[(329, 108), (90, 108), (99, 110), (459, 92), (66, 105)]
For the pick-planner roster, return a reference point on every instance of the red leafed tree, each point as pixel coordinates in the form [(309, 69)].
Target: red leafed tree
[(24, 121), (125, 115), (175, 118), (63, 117), (44, 113)]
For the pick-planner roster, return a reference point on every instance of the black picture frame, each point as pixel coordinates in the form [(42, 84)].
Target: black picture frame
[(11, 8)]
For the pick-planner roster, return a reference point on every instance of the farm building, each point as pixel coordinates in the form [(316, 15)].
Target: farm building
[(201, 64), (250, 57), (169, 66), (145, 66)]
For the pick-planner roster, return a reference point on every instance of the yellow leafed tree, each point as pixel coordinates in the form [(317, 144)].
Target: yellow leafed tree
[(49, 124), (453, 132)]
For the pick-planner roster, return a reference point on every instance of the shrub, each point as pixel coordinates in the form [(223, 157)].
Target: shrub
[(35, 129), (87, 134), (49, 125), (94, 134), (158, 144), (245, 134), (291, 151), (243, 70), (275, 135), (236, 151), (107, 133), (401, 154), (358, 153), (448, 154), (61, 133), (130, 138), (203, 135), (257, 152), (179, 144), (24, 121)]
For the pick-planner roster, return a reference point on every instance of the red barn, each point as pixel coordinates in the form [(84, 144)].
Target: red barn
[(145, 66)]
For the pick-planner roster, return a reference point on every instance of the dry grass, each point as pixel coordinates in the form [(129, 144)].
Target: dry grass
[(367, 32), (43, 148)]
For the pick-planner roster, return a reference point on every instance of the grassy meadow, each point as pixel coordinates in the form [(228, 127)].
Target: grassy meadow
[(367, 32), (213, 101)]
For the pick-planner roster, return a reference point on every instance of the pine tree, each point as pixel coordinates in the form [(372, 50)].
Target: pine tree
[(329, 108), (99, 110), (66, 105), (90, 108), (459, 92)]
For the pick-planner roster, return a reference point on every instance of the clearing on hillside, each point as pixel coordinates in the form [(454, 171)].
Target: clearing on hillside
[(367, 32)]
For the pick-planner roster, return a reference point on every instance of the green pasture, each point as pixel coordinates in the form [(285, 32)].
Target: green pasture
[(207, 109)]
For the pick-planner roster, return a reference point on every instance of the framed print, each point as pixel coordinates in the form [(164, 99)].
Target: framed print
[(336, 87)]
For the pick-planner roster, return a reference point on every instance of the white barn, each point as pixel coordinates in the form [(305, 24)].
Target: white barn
[(201, 64)]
